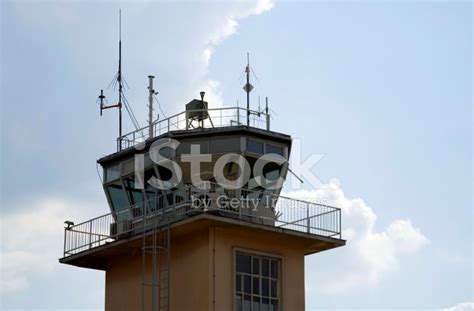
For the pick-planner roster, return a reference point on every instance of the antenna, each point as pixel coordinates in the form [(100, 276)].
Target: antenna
[(266, 104), (248, 88), (267, 115), (119, 81), (119, 78), (258, 110), (151, 94), (101, 98)]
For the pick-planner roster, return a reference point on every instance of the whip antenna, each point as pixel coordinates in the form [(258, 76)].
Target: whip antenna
[(248, 88)]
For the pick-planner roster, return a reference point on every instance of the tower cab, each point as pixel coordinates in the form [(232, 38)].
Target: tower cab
[(202, 156)]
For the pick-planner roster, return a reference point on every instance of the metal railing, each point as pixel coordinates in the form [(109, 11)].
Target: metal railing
[(242, 204), (215, 118)]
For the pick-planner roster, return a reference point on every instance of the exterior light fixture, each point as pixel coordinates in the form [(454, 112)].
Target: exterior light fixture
[(69, 224)]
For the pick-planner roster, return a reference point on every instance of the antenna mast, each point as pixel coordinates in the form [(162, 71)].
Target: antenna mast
[(248, 88), (119, 78), (151, 93), (119, 81)]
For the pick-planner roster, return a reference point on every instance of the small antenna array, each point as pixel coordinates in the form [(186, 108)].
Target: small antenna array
[(122, 100), (248, 87)]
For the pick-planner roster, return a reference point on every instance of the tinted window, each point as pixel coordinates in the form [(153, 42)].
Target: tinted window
[(184, 148), (274, 149), (243, 263), (117, 196), (167, 152), (274, 269), (224, 145), (265, 263), (135, 194), (112, 172), (271, 171), (254, 146)]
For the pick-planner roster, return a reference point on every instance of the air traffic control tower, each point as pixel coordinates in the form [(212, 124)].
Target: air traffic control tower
[(196, 218)]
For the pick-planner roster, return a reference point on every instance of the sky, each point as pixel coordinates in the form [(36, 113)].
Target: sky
[(379, 92)]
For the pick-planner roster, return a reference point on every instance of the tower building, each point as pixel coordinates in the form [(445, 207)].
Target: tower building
[(196, 218)]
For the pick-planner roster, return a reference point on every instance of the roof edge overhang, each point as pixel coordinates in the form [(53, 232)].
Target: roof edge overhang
[(196, 133)]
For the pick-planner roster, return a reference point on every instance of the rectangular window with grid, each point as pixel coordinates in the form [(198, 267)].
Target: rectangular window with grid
[(257, 282)]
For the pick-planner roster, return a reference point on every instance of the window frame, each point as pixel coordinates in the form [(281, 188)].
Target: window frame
[(265, 142), (260, 254)]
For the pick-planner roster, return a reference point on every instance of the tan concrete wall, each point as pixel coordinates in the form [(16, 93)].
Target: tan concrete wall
[(292, 278), (122, 283), (188, 271), (195, 259)]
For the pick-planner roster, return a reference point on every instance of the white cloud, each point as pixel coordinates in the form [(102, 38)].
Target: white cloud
[(227, 28), (373, 254), (405, 237), (32, 239), (178, 50), (263, 5), (213, 93), (464, 306)]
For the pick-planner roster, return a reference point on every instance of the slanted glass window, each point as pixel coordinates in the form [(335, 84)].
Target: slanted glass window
[(128, 167), (257, 282), (150, 190), (274, 149), (254, 146), (166, 152), (136, 195), (272, 171), (148, 161), (184, 148), (112, 173), (117, 196)]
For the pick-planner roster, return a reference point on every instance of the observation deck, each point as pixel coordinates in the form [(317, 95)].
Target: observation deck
[(287, 215)]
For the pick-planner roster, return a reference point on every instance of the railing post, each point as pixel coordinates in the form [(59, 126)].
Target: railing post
[(268, 121), (307, 218), (64, 249), (340, 224), (90, 234), (238, 116), (240, 207), (168, 124)]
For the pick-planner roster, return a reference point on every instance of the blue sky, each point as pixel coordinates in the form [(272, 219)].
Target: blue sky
[(382, 89)]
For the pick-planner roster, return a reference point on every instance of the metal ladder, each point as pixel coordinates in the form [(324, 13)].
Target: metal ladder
[(155, 261)]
